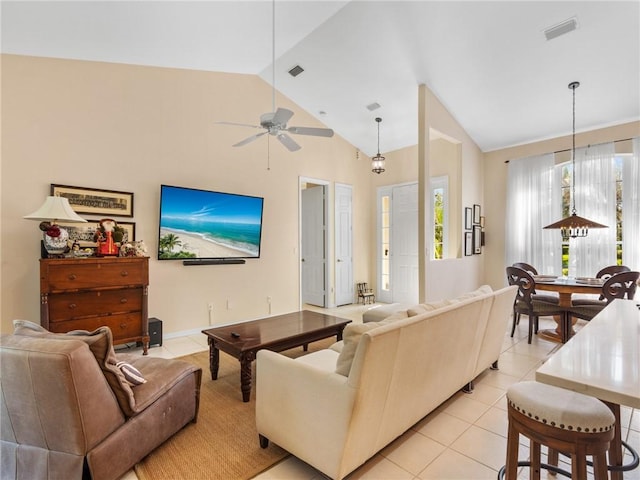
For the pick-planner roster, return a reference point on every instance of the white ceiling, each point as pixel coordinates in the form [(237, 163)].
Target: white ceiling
[(487, 62)]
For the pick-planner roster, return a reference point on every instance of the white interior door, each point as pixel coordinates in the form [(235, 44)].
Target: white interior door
[(404, 244), (313, 248), (344, 245)]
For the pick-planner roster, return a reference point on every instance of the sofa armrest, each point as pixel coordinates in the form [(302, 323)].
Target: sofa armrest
[(304, 409)]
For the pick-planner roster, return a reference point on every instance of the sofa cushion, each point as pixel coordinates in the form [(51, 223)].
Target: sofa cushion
[(351, 338), (483, 290), (100, 342)]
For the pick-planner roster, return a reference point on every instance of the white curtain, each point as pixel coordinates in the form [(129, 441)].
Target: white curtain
[(533, 201), (631, 208), (595, 199)]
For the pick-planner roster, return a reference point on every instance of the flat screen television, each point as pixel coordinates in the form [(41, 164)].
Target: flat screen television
[(199, 225)]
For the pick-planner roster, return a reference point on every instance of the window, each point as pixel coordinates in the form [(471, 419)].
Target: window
[(385, 231), (439, 204), (567, 176)]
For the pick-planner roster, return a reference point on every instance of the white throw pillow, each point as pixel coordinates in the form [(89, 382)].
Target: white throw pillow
[(351, 337)]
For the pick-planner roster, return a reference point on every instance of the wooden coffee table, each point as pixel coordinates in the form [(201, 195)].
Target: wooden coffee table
[(279, 333)]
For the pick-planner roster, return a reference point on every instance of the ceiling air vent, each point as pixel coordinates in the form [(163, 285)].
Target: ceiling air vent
[(561, 28), (295, 71), (373, 106)]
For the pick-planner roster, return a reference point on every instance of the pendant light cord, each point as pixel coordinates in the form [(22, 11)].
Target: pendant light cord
[(573, 86)]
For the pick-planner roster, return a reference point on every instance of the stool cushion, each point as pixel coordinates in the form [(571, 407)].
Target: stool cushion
[(560, 408)]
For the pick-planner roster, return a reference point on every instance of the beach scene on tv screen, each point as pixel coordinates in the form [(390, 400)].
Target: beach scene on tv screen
[(204, 224)]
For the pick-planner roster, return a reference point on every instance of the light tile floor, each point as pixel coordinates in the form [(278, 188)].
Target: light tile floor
[(464, 439)]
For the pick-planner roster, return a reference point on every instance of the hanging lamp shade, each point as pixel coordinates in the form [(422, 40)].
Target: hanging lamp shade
[(574, 226), (377, 162)]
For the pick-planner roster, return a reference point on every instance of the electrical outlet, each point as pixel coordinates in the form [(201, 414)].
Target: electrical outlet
[(210, 306), (269, 300)]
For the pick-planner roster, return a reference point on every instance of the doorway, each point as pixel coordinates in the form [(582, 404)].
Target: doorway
[(313, 242), (398, 243)]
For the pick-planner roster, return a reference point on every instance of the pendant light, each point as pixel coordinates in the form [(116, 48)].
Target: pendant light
[(377, 162), (574, 226)]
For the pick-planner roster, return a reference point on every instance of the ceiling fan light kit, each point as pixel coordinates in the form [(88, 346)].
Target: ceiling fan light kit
[(574, 226)]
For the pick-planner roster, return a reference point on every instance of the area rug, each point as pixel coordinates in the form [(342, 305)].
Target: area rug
[(223, 444)]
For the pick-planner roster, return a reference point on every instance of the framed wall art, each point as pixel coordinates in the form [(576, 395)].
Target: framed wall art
[(95, 201), (468, 218), (476, 214), (477, 239), (83, 232), (468, 243)]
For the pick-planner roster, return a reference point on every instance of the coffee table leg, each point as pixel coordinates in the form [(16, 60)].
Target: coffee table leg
[(245, 375), (214, 359)]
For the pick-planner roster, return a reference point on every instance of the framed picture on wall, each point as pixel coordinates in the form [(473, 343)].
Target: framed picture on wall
[(96, 201), (476, 214), (468, 243), (468, 220), (477, 239)]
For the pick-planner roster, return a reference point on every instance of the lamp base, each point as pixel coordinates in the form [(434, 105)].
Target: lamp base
[(45, 254), (56, 246)]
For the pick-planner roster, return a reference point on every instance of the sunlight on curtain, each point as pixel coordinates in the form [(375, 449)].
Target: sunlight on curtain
[(533, 201), (631, 208), (596, 200)]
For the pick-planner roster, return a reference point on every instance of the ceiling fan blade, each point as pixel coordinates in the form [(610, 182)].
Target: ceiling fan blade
[(317, 132), (282, 116), (249, 139), (288, 142), (238, 124)]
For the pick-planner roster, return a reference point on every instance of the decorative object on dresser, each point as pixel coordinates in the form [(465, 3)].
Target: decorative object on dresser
[(108, 236), (87, 293), (54, 238)]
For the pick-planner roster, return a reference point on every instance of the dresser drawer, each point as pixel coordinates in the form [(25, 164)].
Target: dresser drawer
[(66, 306), (80, 275), (126, 326)]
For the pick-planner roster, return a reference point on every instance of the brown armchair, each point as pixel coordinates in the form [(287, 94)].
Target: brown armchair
[(68, 410)]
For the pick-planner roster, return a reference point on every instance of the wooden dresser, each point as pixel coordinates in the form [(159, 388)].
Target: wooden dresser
[(87, 293)]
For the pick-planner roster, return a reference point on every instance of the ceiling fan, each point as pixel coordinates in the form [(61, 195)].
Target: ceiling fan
[(275, 122)]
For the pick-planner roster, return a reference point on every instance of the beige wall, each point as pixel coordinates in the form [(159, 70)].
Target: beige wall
[(133, 128), (495, 186), (449, 277)]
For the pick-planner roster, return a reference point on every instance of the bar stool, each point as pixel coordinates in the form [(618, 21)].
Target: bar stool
[(564, 421)]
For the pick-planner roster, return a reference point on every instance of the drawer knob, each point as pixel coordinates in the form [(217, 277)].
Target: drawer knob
[(123, 326), (72, 306), (72, 276), (123, 300), (124, 273)]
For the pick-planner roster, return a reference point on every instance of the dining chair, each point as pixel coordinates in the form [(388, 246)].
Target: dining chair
[(619, 285), (604, 274), (527, 303), (545, 297)]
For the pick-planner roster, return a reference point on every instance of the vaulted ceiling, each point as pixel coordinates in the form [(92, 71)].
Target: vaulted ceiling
[(489, 63)]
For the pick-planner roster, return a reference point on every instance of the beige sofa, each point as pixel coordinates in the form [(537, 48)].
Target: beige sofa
[(337, 407), (70, 410)]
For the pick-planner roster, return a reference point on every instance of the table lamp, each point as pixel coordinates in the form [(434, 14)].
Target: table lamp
[(54, 237)]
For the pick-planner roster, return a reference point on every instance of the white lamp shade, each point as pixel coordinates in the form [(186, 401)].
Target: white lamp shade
[(55, 208)]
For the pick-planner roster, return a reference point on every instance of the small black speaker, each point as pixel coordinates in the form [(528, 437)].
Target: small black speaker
[(155, 331)]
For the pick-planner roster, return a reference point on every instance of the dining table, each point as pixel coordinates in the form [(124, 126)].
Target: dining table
[(565, 287), (603, 360)]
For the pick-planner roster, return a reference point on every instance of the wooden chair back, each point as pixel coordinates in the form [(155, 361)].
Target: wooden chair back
[(620, 285), (525, 266)]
